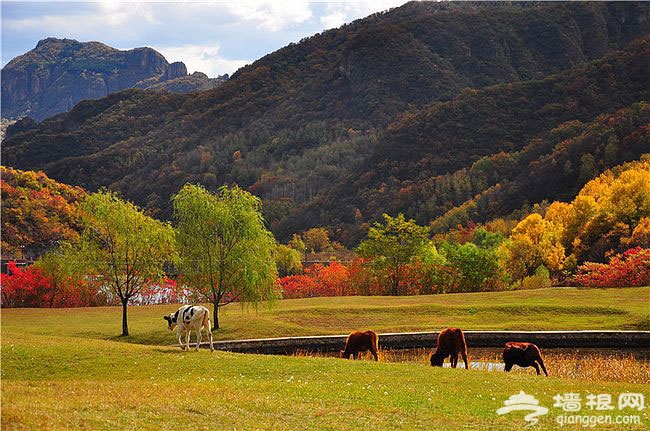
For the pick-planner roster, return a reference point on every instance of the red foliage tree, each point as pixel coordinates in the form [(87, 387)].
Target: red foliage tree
[(318, 280), (631, 268), (28, 288), (363, 281), (297, 286)]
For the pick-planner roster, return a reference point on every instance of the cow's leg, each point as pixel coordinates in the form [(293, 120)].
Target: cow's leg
[(199, 337), (541, 363), (508, 367), (534, 365), (464, 354), (187, 339), (374, 353), (179, 334), (210, 337), (454, 360), (355, 355), (209, 330)]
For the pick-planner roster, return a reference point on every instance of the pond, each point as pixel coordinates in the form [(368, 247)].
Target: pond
[(621, 365)]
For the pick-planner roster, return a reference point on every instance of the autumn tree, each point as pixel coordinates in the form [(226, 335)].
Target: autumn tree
[(124, 247), (226, 252), (535, 241), (392, 245), (316, 239), (298, 244)]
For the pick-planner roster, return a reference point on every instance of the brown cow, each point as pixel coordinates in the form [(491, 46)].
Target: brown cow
[(451, 342), (361, 342), (524, 355)]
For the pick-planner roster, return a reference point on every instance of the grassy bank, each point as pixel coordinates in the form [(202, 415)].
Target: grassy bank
[(598, 365), (547, 309)]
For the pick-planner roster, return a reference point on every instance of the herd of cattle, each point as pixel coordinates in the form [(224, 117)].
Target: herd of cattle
[(451, 341)]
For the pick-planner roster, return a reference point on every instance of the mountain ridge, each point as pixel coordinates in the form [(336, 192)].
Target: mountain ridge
[(59, 73), (303, 127)]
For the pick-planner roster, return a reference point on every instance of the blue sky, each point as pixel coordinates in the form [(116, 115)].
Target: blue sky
[(211, 37)]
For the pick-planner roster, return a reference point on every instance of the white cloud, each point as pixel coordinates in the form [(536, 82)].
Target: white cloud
[(244, 30), (202, 58), (109, 18), (339, 13), (333, 20), (272, 15)]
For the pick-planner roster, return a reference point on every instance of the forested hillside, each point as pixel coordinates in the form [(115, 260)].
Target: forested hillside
[(395, 112), (37, 213)]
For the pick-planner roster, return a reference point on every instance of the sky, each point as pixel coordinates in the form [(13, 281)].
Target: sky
[(211, 37)]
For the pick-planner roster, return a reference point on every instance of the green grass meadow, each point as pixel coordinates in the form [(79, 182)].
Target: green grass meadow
[(65, 369)]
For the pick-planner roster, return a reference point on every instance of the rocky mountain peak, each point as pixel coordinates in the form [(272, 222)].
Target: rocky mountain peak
[(58, 73)]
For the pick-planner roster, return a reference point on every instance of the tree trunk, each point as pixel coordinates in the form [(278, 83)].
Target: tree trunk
[(52, 297), (396, 281), (125, 323), (215, 316)]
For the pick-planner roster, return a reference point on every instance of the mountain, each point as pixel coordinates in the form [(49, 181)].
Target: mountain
[(58, 73), (490, 151), (333, 130)]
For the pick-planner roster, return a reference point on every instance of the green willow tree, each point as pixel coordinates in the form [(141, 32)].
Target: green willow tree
[(226, 252), (392, 245), (123, 247), (287, 260)]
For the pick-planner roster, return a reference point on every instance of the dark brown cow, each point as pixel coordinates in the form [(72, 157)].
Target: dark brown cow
[(524, 355), (361, 342), (451, 342)]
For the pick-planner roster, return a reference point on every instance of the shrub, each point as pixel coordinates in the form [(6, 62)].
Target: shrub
[(540, 280)]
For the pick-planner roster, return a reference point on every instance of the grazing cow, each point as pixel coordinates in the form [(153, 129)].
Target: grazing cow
[(524, 355), (361, 342), (188, 318), (451, 342)]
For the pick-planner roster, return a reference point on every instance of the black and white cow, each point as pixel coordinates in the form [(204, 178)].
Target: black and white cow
[(188, 318)]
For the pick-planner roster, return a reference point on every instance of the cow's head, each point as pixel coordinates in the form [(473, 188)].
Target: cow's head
[(437, 359), (171, 321), (344, 354)]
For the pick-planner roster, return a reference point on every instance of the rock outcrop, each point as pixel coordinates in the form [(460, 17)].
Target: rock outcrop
[(58, 73)]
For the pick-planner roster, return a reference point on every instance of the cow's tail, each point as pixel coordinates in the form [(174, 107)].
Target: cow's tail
[(541, 361), (206, 320), (375, 341), (208, 327)]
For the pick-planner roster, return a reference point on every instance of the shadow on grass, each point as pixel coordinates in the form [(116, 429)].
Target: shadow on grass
[(146, 338), (171, 350), (175, 350)]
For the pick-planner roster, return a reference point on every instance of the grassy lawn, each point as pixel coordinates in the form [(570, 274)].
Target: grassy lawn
[(64, 369), (51, 382), (547, 309)]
